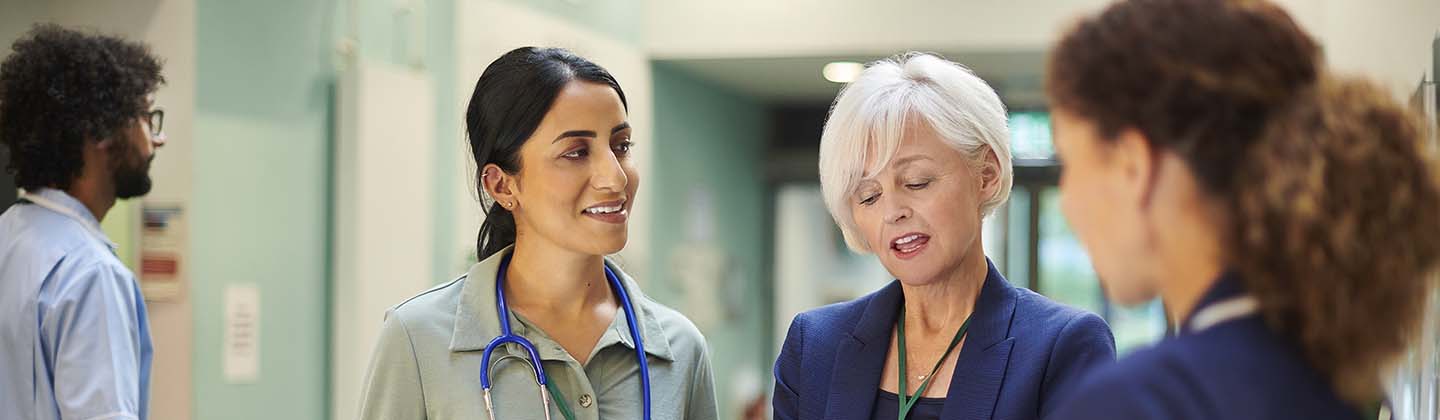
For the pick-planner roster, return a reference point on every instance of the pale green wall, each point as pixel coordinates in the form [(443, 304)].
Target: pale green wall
[(262, 142), (712, 139), (449, 131)]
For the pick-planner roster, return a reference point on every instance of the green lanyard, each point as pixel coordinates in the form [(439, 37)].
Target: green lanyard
[(906, 403), (559, 398)]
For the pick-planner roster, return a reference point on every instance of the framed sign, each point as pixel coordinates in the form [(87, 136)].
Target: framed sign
[(163, 240)]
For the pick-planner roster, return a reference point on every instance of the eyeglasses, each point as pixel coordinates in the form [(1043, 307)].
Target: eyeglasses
[(156, 118)]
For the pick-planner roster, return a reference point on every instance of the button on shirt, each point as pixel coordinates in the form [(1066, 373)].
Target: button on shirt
[(75, 339)]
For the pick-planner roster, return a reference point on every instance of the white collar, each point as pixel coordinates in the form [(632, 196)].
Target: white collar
[(1224, 311), (60, 202)]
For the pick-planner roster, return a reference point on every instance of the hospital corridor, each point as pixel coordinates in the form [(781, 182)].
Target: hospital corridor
[(733, 209)]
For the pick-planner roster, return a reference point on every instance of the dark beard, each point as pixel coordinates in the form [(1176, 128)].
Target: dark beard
[(132, 179)]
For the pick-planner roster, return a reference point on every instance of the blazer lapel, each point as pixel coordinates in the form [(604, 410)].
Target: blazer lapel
[(860, 358), (980, 370)]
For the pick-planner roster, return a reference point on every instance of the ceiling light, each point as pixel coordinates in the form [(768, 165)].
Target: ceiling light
[(842, 71)]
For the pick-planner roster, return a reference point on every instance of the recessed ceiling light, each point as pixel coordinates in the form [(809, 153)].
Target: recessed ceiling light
[(842, 71)]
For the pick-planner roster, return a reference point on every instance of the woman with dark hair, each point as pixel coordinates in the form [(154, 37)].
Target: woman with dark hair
[(543, 309), (1286, 217)]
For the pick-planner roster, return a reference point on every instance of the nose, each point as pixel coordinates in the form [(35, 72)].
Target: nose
[(607, 174), (158, 140), (896, 212)]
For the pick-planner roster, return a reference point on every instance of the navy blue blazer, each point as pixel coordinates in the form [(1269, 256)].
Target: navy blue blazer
[(1021, 350), (1238, 370)]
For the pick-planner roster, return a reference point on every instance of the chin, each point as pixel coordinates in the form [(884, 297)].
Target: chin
[(1127, 293), (604, 245), (911, 273)]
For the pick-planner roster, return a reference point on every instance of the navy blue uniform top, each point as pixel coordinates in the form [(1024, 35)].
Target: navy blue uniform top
[(1021, 350), (1237, 370)]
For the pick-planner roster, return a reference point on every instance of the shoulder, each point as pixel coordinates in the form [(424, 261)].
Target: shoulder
[(1033, 311), (682, 334), (683, 338), (41, 235), (431, 309), (85, 271), (1153, 383), (32, 220), (827, 320), (1040, 318), (814, 333)]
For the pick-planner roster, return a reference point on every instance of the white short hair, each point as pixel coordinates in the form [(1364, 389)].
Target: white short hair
[(872, 111)]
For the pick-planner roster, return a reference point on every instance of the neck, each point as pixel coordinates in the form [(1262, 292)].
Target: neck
[(942, 305), (1186, 288), (1191, 270), (97, 196), (543, 277)]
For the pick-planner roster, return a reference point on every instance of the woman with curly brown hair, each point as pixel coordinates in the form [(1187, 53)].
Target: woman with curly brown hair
[(1287, 218)]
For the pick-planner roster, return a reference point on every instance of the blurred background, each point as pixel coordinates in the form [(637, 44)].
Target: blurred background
[(317, 171)]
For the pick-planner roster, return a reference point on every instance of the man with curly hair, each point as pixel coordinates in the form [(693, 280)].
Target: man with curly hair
[(78, 121)]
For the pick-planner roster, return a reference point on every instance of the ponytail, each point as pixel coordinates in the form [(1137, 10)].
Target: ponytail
[(1336, 212), (1334, 205), (496, 232)]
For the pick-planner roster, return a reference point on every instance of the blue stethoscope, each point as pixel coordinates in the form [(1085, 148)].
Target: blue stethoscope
[(509, 337)]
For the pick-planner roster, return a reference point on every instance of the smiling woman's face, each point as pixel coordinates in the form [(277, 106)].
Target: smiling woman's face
[(577, 181)]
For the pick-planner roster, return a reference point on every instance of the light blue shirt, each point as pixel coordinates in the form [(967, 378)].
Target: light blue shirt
[(74, 339)]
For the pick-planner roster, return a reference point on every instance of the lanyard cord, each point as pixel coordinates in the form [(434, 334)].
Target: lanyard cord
[(906, 403), (559, 398)]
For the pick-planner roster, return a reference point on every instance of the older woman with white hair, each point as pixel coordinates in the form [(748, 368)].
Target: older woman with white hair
[(914, 156)]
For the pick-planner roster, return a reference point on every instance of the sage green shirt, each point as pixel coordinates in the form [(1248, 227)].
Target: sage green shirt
[(427, 362)]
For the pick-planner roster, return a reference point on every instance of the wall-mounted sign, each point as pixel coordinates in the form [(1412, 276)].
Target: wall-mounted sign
[(163, 240)]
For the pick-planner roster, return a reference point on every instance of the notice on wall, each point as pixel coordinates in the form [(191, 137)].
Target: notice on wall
[(163, 240), (241, 358)]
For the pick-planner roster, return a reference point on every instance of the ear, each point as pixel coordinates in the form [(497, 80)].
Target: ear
[(989, 175), (103, 144), (499, 185), (97, 152), (1139, 164)]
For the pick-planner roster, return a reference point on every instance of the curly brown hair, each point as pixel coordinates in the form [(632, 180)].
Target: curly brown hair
[(60, 87), (1333, 201), (1349, 206)]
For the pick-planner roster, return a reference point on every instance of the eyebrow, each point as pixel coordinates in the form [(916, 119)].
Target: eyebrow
[(898, 164), (588, 133), (901, 162)]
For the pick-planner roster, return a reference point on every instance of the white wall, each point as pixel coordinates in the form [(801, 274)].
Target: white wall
[(1387, 40), (770, 28), (383, 237), (168, 26)]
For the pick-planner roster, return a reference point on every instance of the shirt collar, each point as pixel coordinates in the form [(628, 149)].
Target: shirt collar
[(73, 205), (476, 320), (1227, 286)]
